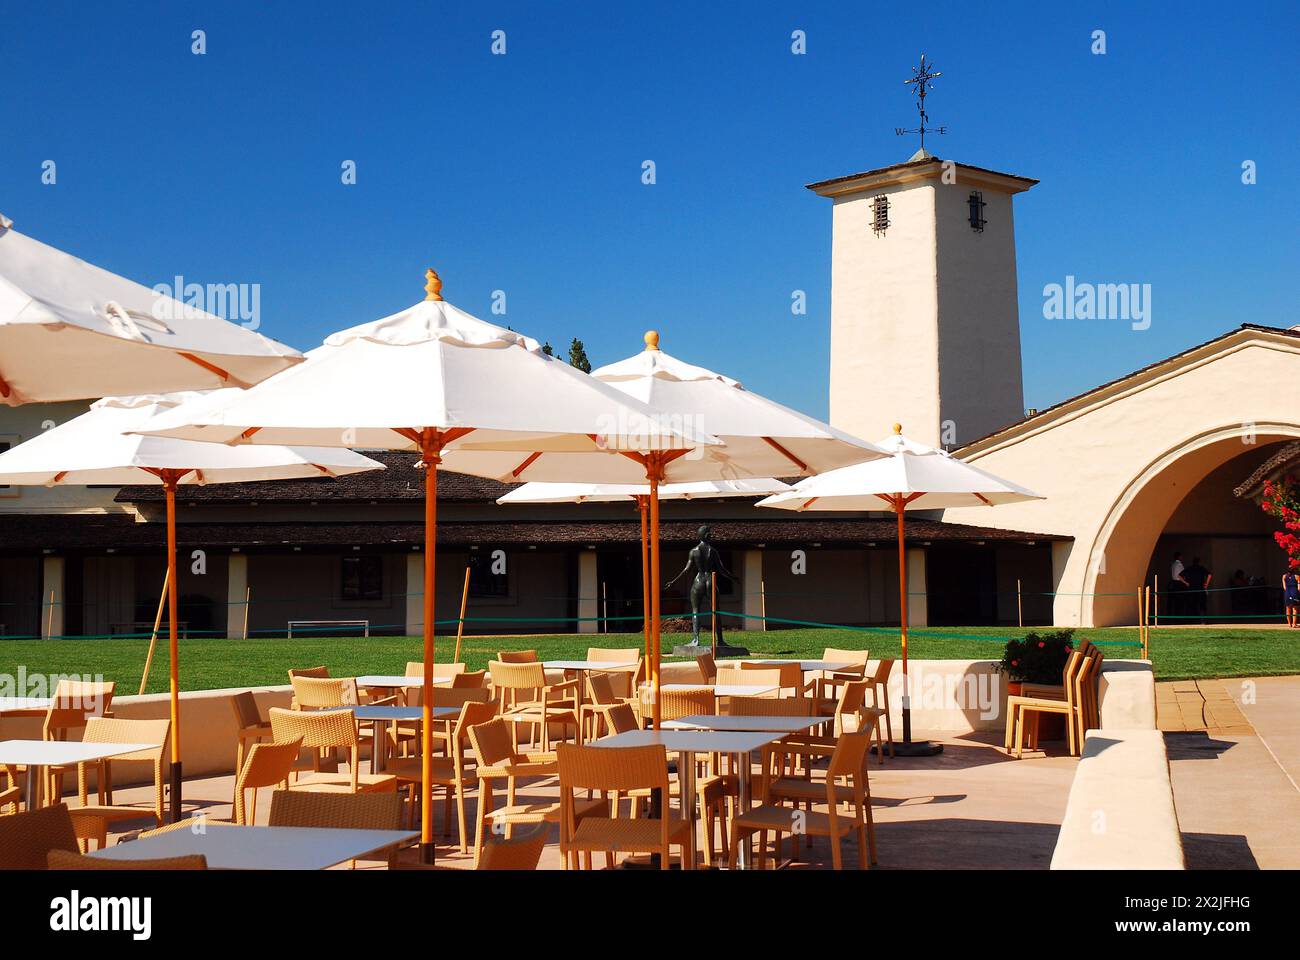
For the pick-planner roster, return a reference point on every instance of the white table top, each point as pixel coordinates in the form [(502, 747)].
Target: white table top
[(703, 721), (11, 704), (390, 711), (261, 848), (44, 753), (596, 665), (692, 741), (391, 681), (808, 665)]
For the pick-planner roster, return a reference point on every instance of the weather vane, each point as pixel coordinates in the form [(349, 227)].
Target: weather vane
[(923, 77)]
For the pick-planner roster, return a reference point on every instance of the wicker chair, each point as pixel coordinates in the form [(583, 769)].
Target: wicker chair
[(93, 820), (623, 680), (327, 730), (498, 759), (879, 689), (325, 693), (730, 675), (603, 698), (617, 770), (675, 704), (500, 853), (358, 811), (251, 728), (27, 838), (268, 765), (790, 677), (1077, 704), (847, 762), (311, 672), (452, 774), (74, 702), (62, 860), (475, 680), (526, 697), (769, 707), (828, 681), (708, 667)]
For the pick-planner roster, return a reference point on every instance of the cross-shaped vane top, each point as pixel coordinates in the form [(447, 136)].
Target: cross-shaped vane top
[(923, 77)]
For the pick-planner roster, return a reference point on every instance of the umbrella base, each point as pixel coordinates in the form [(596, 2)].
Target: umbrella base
[(912, 748), (695, 649), (176, 792)]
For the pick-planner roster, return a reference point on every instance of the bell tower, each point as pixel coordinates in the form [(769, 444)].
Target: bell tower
[(924, 316), (924, 321)]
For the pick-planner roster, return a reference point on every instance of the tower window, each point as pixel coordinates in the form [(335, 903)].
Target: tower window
[(880, 213), (976, 204)]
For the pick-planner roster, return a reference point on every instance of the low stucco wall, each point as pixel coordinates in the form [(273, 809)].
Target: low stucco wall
[(1121, 815), (948, 696), (1126, 695)]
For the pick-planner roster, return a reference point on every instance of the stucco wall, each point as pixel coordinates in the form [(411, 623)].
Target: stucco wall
[(1113, 468)]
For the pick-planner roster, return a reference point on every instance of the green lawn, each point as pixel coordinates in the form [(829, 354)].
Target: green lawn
[(210, 663)]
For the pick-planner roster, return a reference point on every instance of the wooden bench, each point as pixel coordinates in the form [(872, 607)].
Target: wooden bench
[(364, 624)]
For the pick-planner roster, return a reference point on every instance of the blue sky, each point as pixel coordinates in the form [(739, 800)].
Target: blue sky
[(522, 172)]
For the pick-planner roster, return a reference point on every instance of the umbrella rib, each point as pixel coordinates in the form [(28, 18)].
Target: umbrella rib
[(532, 457), (786, 453), (210, 367)]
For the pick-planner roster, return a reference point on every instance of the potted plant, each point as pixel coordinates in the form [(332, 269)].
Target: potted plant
[(1038, 659)]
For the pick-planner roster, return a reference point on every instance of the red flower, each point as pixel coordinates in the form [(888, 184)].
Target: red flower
[(1016, 663), (1041, 644)]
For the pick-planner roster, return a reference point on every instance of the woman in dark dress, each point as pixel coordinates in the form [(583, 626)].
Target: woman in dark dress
[(1291, 597)]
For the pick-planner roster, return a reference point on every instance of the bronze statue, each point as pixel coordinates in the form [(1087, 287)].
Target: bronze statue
[(705, 560)]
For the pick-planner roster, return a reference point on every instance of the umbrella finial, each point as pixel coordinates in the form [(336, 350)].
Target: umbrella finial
[(652, 339), (433, 286), (898, 428)]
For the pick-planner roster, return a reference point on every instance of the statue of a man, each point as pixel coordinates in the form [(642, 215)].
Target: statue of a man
[(705, 560)]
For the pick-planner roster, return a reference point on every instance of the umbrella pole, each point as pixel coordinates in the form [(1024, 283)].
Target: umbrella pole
[(169, 485), (429, 453), (642, 506), (908, 748), (653, 476)]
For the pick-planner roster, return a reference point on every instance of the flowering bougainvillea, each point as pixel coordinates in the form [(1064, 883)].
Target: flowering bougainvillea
[(1282, 501)]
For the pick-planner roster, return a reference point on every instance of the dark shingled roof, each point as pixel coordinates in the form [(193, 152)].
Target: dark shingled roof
[(25, 533), (402, 481), (1285, 460)]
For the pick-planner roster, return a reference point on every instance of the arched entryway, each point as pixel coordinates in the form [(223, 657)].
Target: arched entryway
[(1178, 485)]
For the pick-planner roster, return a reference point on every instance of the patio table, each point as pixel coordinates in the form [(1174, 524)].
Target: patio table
[(395, 681), (262, 848), (739, 744), (24, 706), (36, 755), (383, 716), (706, 721), (809, 666)]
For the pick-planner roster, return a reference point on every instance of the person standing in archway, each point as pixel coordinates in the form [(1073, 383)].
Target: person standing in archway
[(1198, 581), (1177, 586), (1291, 597)]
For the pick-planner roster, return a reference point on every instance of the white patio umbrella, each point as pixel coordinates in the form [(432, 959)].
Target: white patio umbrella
[(95, 448), (913, 477), (763, 439), (541, 492), (70, 330), (469, 396)]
